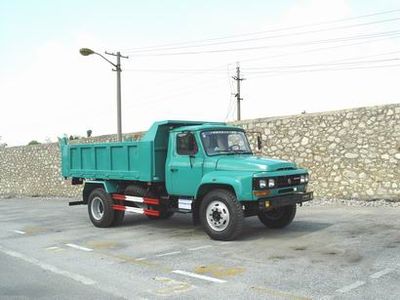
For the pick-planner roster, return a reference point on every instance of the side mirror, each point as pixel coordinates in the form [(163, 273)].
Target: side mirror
[(259, 143)]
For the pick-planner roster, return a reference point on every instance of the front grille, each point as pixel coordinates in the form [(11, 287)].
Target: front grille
[(289, 180), (283, 191), (280, 181)]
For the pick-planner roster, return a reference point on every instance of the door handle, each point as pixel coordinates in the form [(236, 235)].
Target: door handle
[(174, 169)]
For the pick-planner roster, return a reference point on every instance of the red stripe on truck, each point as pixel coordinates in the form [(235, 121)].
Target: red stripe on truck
[(146, 200), (151, 201), (118, 207), (118, 197), (151, 212)]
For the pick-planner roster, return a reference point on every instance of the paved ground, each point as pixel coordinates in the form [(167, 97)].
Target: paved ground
[(49, 250)]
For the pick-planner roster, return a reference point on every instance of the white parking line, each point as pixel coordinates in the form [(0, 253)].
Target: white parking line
[(350, 287), (79, 247), (199, 248), (52, 248), (224, 243), (141, 258), (47, 267), (169, 253), (19, 231), (381, 273), (203, 277)]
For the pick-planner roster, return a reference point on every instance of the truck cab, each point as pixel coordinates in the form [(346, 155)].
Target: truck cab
[(207, 169)]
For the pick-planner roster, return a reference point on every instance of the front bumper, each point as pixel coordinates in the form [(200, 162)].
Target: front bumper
[(284, 200)]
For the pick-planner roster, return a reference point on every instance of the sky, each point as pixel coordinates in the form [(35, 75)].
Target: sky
[(296, 56)]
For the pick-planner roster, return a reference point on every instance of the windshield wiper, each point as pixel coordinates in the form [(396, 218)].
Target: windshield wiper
[(237, 152), (232, 152)]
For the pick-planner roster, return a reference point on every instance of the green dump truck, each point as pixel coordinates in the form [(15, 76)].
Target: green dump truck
[(203, 168)]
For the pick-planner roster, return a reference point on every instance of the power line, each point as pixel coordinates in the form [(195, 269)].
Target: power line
[(272, 68), (266, 31), (264, 38), (316, 49), (260, 69), (392, 33), (285, 72), (194, 71)]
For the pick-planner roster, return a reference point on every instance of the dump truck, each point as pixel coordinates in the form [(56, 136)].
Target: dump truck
[(204, 168)]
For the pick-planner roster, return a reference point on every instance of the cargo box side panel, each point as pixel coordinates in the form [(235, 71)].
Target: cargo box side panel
[(160, 152), (87, 158), (65, 160), (102, 158), (110, 161), (145, 161), (75, 158), (119, 158)]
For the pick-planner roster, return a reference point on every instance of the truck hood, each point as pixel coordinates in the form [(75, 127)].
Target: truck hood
[(251, 164)]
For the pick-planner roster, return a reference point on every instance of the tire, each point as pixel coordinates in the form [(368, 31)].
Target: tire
[(100, 209), (221, 215), (118, 217), (139, 191), (279, 217)]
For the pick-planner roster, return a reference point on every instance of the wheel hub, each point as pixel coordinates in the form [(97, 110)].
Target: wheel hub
[(218, 215), (97, 208)]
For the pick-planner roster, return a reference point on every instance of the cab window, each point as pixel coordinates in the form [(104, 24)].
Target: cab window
[(186, 144)]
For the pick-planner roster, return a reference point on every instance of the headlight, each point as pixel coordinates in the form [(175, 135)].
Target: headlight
[(262, 184), (271, 183), (304, 178), (307, 177)]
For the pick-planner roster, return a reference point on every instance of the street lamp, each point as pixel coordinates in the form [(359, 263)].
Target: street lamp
[(117, 66)]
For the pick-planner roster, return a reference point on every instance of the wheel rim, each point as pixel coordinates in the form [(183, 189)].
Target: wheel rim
[(217, 215), (97, 208)]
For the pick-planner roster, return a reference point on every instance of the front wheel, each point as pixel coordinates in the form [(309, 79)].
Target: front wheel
[(221, 215), (278, 217)]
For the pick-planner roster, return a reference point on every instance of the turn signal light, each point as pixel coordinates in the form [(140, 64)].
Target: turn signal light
[(261, 193)]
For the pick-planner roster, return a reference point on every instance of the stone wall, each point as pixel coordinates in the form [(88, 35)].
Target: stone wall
[(351, 154)]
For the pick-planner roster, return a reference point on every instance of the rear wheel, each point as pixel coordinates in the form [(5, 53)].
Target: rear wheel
[(100, 209), (221, 215), (278, 217)]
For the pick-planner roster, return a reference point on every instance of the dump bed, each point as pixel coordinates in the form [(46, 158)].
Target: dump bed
[(142, 160), (125, 160)]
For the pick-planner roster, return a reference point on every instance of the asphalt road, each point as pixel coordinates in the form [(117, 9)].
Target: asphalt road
[(49, 250)]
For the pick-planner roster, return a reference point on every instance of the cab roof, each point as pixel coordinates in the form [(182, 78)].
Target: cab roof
[(162, 128), (206, 126)]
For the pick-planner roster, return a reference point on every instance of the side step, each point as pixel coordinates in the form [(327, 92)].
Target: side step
[(137, 210)]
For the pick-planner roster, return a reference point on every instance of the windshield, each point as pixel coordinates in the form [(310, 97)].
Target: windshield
[(225, 142)]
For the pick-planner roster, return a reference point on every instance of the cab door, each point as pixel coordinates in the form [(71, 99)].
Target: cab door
[(184, 165)]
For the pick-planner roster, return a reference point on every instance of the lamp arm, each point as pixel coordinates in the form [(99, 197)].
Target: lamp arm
[(114, 65)]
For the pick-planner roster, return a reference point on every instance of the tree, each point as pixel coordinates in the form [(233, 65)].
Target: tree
[(33, 142), (89, 133)]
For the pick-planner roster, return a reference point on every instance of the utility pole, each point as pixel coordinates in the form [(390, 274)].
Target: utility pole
[(238, 99), (118, 70)]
